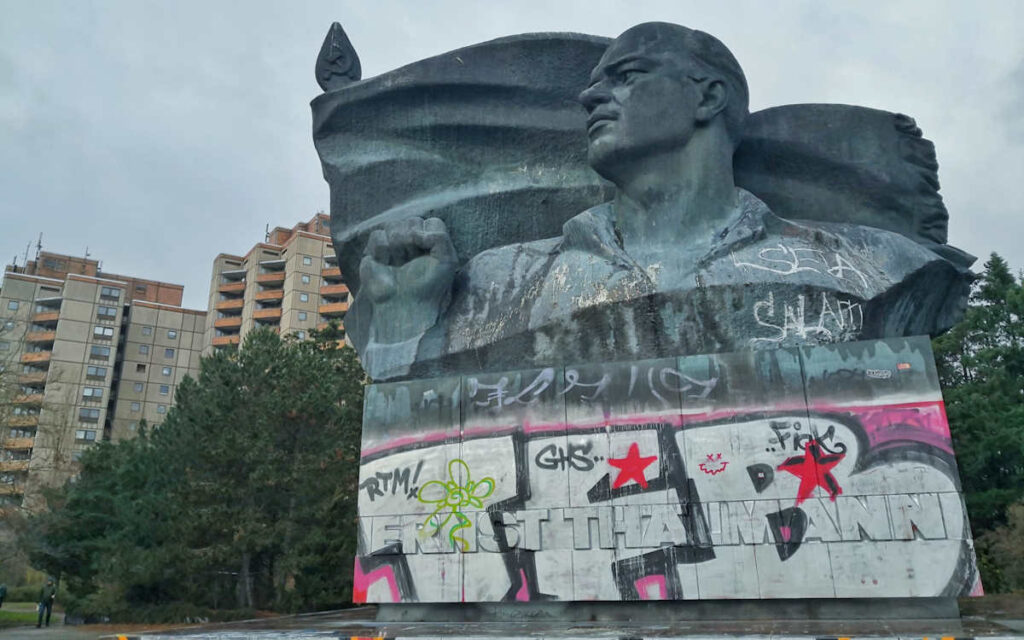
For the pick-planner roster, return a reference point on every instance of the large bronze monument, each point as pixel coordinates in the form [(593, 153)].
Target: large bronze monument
[(679, 260), (640, 343)]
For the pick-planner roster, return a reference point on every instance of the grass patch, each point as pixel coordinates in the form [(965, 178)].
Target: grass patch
[(10, 619)]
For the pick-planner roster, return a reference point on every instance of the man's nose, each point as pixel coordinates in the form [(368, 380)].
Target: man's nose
[(593, 95)]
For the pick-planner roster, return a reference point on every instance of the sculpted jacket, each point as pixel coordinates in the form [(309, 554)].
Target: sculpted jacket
[(766, 282)]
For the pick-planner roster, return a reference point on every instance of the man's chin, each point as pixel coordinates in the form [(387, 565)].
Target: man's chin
[(606, 161)]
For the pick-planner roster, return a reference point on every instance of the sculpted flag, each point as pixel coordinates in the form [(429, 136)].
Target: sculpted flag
[(439, 138)]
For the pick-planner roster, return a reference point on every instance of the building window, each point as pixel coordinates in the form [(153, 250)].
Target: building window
[(147, 331), (140, 288), (168, 353), (103, 332), (13, 305), (133, 426), (171, 334), (144, 349), (106, 312), (98, 352), (166, 371), (110, 292), (5, 346), (140, 368), (303, 297), (305, 279), (89, 415), (92, 393), (306, 260), (165, 389), (95, 372), (301, 335), (138, 386), (9, 324), (302, 315), (136, 407), (161, 408), (85, 435)]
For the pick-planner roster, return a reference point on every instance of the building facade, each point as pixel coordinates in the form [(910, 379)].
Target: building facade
[(85, 356), (290, 283)]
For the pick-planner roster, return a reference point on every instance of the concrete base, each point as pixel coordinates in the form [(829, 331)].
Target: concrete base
[(665, 611)]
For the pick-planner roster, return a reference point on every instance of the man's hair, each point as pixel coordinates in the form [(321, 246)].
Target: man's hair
[(713, 60)]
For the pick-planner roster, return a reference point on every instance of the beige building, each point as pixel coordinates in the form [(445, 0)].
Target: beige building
[(290, 283), (161, 345), (85, 356)]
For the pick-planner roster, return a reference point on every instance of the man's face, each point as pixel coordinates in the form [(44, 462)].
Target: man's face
[(640, 102)]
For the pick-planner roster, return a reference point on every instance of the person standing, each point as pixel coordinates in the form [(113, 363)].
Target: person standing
[(46, 597), (3, 593)]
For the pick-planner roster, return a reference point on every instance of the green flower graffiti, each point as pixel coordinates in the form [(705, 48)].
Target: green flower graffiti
[(454, 496)]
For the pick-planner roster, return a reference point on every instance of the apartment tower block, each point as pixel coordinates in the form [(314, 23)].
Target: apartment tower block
[(290, 283), (85, 356)]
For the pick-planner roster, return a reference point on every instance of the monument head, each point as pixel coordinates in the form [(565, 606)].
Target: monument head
[(658, 88)]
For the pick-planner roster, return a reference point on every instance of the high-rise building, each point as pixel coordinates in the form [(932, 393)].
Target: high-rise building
[(85, 355), (291, 283)]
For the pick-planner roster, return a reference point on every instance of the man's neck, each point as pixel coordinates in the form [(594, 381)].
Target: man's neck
[(682, 199)]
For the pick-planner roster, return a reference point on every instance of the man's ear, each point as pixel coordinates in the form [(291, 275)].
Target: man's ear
[(714, 98)]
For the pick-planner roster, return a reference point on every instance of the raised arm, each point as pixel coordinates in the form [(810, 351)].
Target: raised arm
[(406, 274)]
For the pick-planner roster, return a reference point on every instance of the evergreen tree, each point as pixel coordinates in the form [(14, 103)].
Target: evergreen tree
[(243, 498), (981, 368)]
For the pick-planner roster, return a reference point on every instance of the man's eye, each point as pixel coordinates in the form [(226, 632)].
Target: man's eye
[(628, 75)]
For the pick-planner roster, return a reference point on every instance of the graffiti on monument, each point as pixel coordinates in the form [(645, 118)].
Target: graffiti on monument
[(826, 471)]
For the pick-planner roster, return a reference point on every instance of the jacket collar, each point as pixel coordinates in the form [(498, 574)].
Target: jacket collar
[(594, 231)]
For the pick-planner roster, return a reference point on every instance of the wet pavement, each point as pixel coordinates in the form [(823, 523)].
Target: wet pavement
[(359, 623)]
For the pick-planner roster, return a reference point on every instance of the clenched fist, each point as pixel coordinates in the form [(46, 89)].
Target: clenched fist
[(406, 274)]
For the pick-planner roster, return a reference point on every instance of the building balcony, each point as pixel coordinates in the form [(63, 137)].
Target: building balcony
[(332, 272), (32, 379), (46, 317), (23, 421), (233, 322), (9, 489), (232, 287), (35, 399), (270, 294), (333, 309), (19, 444), (223, 341), (267, 314), (323, 325), (35, 357), (40, 336), (230, 305), (334, 290), (275, 277), (13, 465)]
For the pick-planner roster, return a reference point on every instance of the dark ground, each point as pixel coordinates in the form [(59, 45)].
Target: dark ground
[(992, 616)]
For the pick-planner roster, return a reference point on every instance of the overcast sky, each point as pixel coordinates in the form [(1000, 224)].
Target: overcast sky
[(158, 134)]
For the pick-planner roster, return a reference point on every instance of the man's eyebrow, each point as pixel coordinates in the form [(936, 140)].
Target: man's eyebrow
[(611, 66)]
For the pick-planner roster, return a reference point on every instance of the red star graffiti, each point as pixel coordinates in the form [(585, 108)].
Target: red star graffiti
[(814, 469), (631, 467)]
